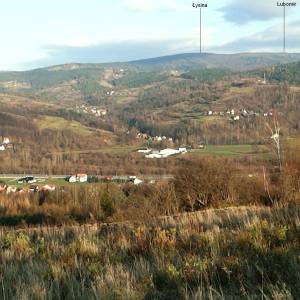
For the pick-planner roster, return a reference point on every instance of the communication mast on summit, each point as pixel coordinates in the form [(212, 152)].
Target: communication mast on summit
[(284, 5), (200, 6)]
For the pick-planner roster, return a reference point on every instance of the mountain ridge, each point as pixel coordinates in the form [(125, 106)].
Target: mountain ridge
[(191, 58)]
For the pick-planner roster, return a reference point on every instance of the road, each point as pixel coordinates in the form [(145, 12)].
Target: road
[(119, 177)]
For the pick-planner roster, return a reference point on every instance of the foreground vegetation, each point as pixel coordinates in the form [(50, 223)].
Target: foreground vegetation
[(246, 253), (169, 240)]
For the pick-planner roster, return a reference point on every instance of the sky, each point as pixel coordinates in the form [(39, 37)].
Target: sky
[(39, 33)]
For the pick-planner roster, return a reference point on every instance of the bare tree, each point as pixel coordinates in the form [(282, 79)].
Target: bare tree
[(274, 130)]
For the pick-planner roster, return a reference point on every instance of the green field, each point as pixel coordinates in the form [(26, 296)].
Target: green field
[(56, 123), (231, 150)]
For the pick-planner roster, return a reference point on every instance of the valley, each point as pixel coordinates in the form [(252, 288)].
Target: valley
[(149, 150)]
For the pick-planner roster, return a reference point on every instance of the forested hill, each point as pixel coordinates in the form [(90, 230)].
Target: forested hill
[(289, 73), (234, 62), (105, 84), (45, 77)]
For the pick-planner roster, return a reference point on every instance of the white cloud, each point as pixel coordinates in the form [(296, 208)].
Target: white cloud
[(269, 40), (75, 42), (243, 12)]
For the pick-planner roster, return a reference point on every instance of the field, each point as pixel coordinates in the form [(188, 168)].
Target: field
[(231, 150), (239, 253), (56, 123), (118, 150)]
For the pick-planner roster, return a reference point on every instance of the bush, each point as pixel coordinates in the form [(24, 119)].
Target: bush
[(107, 205), (203, 183)]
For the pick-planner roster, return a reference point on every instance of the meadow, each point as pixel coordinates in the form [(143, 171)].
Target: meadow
[(240, 253), (231, 150)]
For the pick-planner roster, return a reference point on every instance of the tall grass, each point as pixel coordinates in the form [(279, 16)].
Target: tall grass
[(242, 253)]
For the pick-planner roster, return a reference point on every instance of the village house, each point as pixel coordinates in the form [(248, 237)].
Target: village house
[(135, 180), (48, 188), (34, 188), (82, 178), (78, 178), (235, 118), (72, 179), (11, 189), (6, 141), (101, 112)]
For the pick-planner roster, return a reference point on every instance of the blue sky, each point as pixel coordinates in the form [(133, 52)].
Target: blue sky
[(37, 33)]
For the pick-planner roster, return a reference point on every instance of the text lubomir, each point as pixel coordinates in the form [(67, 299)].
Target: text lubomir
[(286, 4)]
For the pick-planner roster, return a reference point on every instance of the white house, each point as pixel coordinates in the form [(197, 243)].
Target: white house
[(2, 148), (182, 150), (137, 181), (82, 178), (11, 189), (48, 187), (6, 140), (72, 179)]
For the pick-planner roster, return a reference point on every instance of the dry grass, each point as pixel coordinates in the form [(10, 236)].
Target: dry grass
[(237, 253), (56, 123)]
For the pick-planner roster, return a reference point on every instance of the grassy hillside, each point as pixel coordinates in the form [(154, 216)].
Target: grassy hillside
[(59, 124), (245, 253)]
